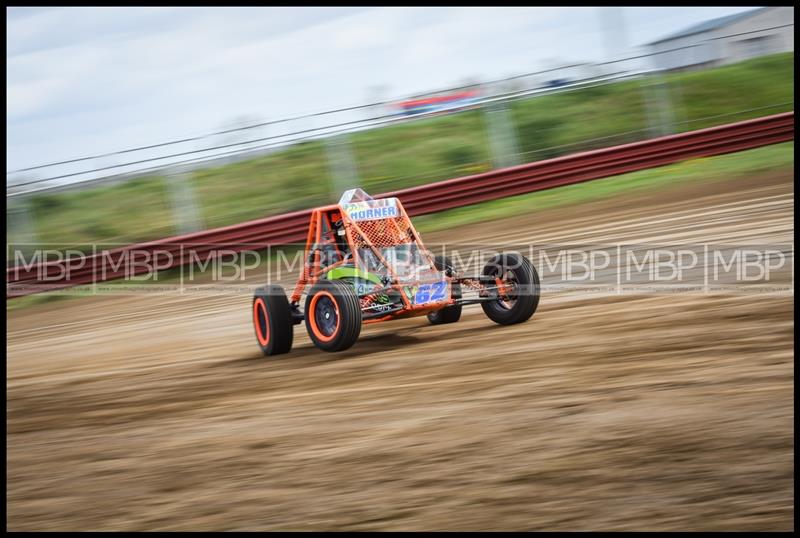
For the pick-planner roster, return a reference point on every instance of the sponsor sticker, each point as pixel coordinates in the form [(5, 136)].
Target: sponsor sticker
[(385, 208)]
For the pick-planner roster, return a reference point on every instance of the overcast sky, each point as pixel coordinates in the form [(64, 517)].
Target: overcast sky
[(87, 80)]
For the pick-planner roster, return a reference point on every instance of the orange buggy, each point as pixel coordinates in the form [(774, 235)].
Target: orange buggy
[(364, 263)]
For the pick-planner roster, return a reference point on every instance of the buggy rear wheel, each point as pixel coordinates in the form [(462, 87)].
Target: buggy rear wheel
[(520, 294), (272, 320), (333, 315)]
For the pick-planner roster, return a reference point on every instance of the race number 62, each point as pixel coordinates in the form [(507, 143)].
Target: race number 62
[(428, 293)]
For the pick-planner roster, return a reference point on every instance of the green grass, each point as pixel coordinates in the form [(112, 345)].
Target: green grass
[(606, 115), (733, 165), (414, 153), (719, 168), (124, 213)]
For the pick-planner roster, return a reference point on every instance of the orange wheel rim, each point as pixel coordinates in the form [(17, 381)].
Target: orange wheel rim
[(261, 321), (504, 289), (312, 315)]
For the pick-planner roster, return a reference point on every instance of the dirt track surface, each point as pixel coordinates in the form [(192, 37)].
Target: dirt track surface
[(630, 412)]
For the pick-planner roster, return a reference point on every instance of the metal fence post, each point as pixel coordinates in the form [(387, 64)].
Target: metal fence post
[(654, 93), (502, 138), (666, 113), (21, 225), (342, 164), (185, 212)]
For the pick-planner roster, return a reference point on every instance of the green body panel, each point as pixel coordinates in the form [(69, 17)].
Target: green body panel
[(351, 272), (362, 281)]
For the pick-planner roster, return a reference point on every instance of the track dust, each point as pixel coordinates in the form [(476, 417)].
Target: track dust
[(629, 412)]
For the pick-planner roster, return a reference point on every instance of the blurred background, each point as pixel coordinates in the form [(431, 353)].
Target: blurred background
[(666, 406), (132, 124)]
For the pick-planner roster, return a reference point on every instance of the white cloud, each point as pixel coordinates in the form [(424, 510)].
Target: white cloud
[(23, 98), (100, 79)]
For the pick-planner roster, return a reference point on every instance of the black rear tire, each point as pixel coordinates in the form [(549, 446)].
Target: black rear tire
[(449, 314), (521, 304), (272, 320), (333, 315)]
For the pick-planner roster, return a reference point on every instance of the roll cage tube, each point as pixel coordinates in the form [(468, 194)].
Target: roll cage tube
[(337, 245)]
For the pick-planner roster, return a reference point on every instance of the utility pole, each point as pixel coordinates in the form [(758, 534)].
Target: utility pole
[(654, 91), (185, 212), (21, 234), (501, 134), (377, 94), (341, 163)]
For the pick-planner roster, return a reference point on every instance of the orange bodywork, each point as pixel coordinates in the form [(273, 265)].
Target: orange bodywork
[(367, 240)]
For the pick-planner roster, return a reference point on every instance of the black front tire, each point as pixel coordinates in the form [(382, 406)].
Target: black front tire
[(521, 304), (449, 314), (272, 320), (333, 315)]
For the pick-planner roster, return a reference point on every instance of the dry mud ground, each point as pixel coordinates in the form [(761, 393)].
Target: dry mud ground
[(629, 412)]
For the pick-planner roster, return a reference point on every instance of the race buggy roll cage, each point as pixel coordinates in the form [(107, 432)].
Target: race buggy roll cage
[(373, 242)]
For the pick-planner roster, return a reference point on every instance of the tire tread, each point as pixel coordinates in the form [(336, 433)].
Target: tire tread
[(349, 312), (525, 305), (281, 324)]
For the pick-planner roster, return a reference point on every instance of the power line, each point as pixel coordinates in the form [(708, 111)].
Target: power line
[(202, 150), (317, 114), (375, 121), (395, 120), (273, 122)]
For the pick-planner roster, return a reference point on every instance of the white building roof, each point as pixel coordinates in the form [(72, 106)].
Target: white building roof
[(708, 25)]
